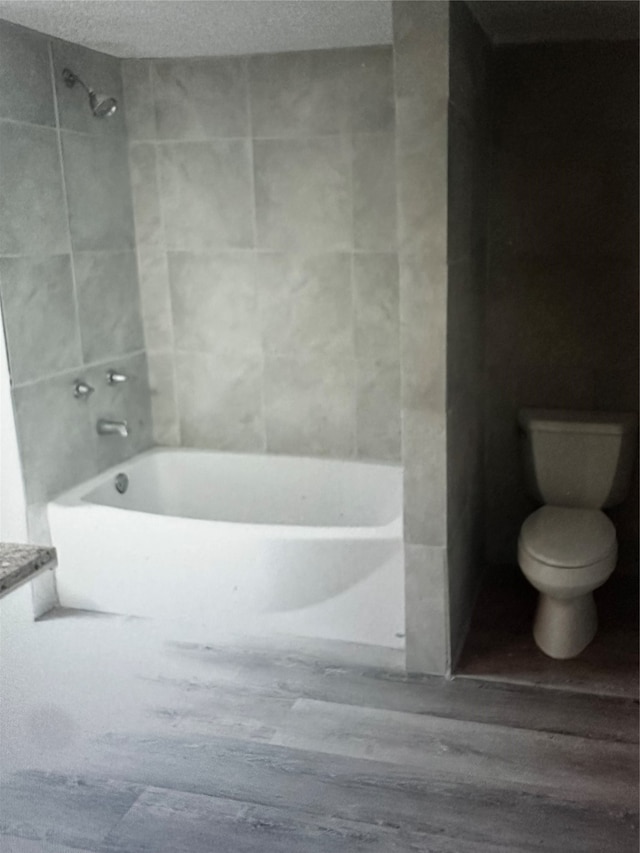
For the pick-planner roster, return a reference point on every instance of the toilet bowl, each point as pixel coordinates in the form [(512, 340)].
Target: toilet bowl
[(565, 554), (576, 463)]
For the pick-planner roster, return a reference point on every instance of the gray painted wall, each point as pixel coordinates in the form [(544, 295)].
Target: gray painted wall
[(469, 148), (68, 278), (562, 297), (265, 211)]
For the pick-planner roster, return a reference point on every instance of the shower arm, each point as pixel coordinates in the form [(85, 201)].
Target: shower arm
[(70, 78)]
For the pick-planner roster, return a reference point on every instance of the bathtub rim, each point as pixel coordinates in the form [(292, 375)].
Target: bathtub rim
[(75, 498)]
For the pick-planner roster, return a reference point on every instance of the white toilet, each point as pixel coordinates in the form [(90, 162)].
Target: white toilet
[(576, 463)]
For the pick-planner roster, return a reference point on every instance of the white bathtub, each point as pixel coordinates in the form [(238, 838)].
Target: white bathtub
[(240, 545)]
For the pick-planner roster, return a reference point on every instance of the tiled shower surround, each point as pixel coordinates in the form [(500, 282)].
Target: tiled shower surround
[(291, 217), (68, 278), (291, 225), (265, 209)]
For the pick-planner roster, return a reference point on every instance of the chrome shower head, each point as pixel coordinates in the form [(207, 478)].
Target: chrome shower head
[(102, 106)]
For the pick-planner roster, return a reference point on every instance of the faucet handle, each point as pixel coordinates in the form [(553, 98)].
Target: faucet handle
[(115, 378), (82, 390)]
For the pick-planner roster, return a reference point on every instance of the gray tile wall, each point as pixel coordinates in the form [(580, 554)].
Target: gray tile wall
[(469, 147), (265, 217), (68, 276), (562, 300), (421, 52)]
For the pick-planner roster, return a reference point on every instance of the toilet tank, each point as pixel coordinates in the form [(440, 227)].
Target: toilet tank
[(578, 459)]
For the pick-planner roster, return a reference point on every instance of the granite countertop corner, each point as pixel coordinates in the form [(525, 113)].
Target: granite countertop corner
[(20, 563)]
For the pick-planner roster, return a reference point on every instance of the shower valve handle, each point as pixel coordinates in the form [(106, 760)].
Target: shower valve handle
[(82, 390), (115, 378)]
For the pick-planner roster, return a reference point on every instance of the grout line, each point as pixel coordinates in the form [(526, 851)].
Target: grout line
[(355, 446), (165, 260), (54, 127), (65, 197), (79, 369), (302, 252), (22, 123), (203, 140), (257, 289)]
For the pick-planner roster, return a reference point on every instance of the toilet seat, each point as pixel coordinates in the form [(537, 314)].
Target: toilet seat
[(568, 538)]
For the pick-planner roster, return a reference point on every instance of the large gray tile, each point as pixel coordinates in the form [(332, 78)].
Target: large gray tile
[(424, 449), (425, 602), (214, 303), (421, 53), (138, 95), (26, 92), (146, 199), (98, 191), (220, 408), (422, 197), (322, 92), (108, 304), (306, 303), (155, 298), (39, 311), (164, 408), (56, 437), (374, 192), (371, 90), (205, 190), (302, 191), (129, 401), (378, 424), (100, 73), (298, 94), (376, 307), (423, 332), (201, 98), (32, 213), (310, 405)]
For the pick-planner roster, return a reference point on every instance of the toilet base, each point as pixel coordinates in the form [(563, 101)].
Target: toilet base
[(563, 627)]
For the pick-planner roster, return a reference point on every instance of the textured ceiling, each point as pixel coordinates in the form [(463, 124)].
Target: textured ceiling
[(156, 28), (518, 21)]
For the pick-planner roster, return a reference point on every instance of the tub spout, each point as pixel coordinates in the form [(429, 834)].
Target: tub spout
[(106, 427)]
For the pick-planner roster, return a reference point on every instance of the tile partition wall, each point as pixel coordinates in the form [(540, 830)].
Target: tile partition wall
[(68, 279), (265, 210), (562, 296), (291, 234), (469, 148), (421, 48)]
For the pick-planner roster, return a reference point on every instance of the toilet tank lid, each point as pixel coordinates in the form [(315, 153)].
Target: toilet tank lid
[(563, 420)]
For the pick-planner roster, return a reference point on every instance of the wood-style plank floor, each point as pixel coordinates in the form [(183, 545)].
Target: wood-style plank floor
[(115, 740), (500, 642)]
